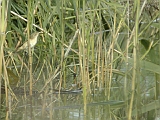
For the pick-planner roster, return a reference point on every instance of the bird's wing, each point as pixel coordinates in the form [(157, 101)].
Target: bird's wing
[(24, 46)]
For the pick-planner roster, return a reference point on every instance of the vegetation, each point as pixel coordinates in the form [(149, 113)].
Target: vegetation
[(98, 45)]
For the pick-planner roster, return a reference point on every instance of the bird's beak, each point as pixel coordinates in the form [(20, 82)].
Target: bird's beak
[(41, 32)]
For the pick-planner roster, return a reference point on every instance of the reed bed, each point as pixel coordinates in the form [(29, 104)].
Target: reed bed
[(105, 46)]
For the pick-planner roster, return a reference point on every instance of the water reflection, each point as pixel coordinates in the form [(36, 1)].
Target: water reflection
[(62, 107), (68, 105)]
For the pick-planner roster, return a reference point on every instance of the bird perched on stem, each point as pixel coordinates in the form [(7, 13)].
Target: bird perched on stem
[(33, 41)]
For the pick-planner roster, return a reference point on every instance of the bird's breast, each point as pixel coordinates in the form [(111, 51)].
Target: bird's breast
[(32, 43)]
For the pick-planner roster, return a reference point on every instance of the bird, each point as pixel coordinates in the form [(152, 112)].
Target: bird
[(33, 41)]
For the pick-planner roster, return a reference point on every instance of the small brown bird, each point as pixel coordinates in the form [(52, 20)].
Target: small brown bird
[(33, 41)]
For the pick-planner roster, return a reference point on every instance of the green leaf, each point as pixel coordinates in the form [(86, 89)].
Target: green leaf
[(146, 65)]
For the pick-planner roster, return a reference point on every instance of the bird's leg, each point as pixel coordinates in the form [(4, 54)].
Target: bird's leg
[(32, 50)]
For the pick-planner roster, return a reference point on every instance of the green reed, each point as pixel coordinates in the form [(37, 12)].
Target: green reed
[(3, 20)]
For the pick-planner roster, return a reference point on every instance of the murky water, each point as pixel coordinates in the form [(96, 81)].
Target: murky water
[(68, 105), (47, 107), (62, 107)]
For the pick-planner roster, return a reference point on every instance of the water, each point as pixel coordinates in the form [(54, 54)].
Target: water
[(49, 105)]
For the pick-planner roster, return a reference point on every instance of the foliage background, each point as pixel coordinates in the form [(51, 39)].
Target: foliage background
[(91, 44)]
